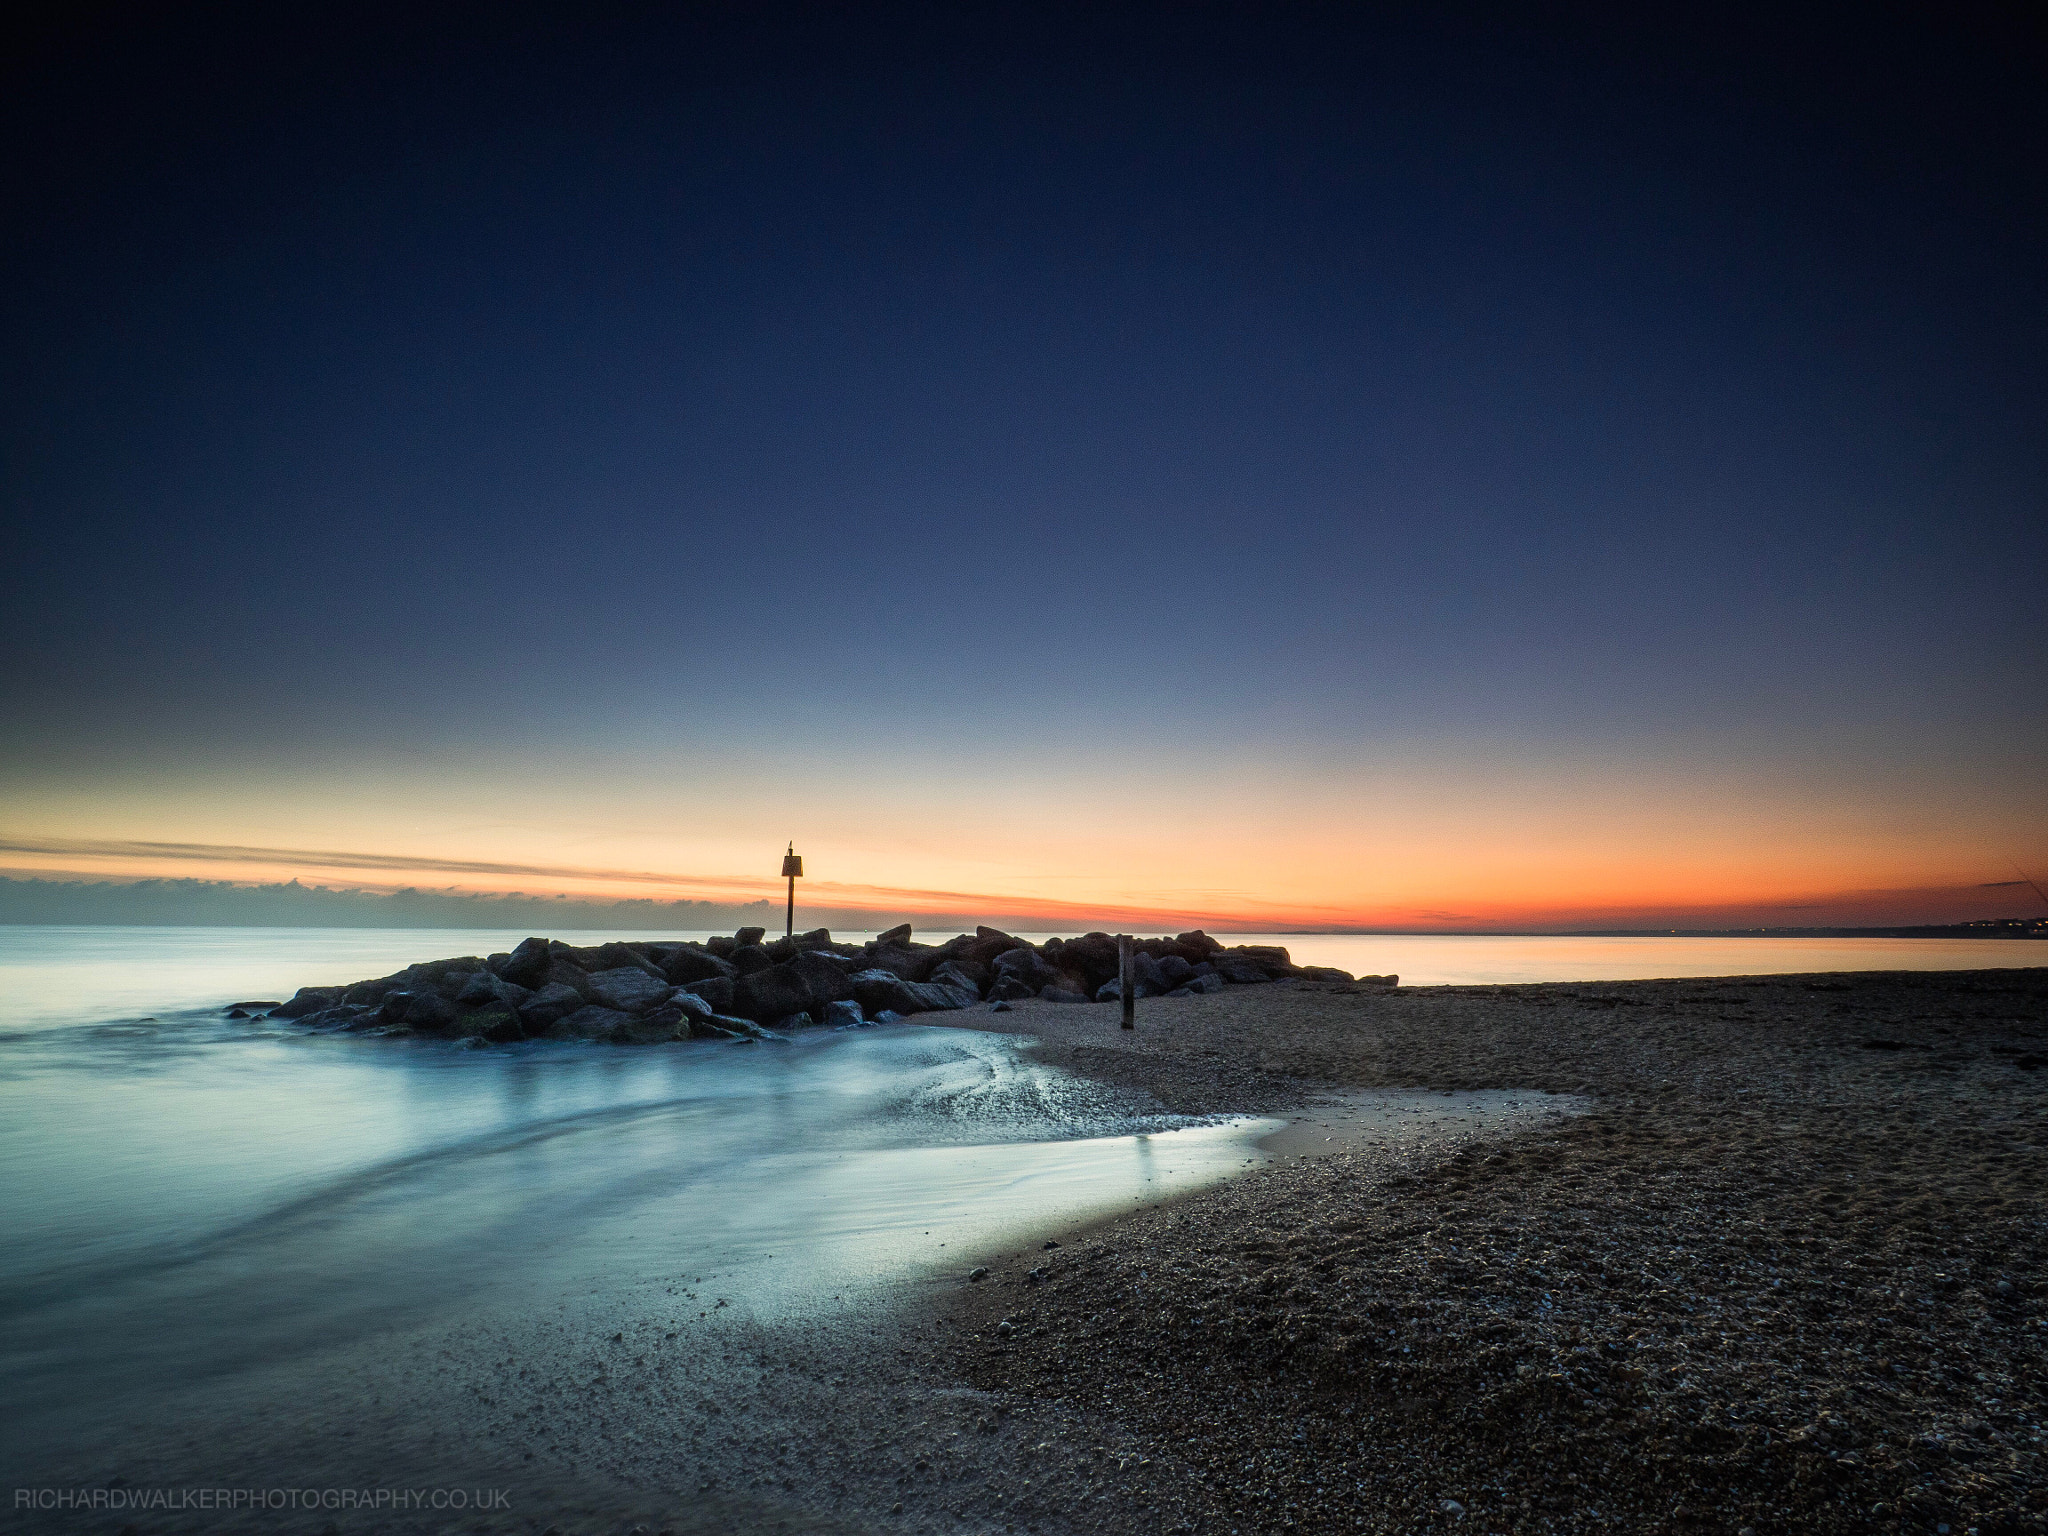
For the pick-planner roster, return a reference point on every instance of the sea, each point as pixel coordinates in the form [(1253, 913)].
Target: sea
[(188, 1195)]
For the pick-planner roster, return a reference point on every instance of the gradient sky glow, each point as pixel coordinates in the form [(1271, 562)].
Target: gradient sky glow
[(1230, 464)]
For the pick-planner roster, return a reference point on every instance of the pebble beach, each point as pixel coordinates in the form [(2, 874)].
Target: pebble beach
[(1785, 1273)]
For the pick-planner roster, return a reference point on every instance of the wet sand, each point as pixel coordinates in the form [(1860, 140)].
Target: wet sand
[(1783, 1275)]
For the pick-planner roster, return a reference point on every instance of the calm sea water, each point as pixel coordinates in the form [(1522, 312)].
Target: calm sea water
[(184, 1193)]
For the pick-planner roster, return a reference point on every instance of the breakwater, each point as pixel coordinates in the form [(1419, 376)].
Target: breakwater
[(742, 987)]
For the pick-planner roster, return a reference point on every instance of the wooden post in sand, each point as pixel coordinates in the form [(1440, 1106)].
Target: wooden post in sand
[(1127, 981)]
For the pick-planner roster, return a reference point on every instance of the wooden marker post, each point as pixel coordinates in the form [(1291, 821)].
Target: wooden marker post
[(1127, 981), (792, 866)]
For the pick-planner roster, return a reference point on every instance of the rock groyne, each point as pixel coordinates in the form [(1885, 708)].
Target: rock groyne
[(741, 987)]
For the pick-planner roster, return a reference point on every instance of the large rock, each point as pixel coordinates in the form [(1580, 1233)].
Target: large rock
[(612, 957), (717, 991), (429, 1012), (484, 989), (590, 1022), (499, 1025), (653, 1028), (1269, 957), (900, 934), (340, 1016), (984, 946), (1093, 956), (306, 1001), (629, 989), (1198, 940), (884, 991), (826, 975), (1240, 969), (910, 964), (1009, 988), (547, 1007), (1151, 980), (527, 965), (683, 964), (1324, 973), (843, 1015), (748, 959), (964, 974), (1174, 970), (774, 993), (1028, 966), (745, 936)]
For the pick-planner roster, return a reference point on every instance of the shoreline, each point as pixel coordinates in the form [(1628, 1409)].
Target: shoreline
[(1603, 1323)]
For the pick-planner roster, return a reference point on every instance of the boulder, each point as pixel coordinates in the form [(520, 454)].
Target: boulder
[(689, 1004), (774, 993), (1145, 972), (826, 975), (653, 1028), (1324, 973), (1242, 969), (1174, 970), (986, 944), (884, 992), (900, 934), (527, 965), (683, 964), (717, 991), (549, 1005), (499, 1025), (1028, 966), (817, 938), (1197, 940), (722, 946), (910, 964), (745, 936), (1008, 988), (611, 957), (781, 951), (1093, 956), (965, 974), (1379, 981), (1271, 956), (480, 988), (340, 1016), (629, 989), (307, 1000), (720, 1026), (792, 1024), (567, 973), (590, 1022), (1207, 982), (485, 988), (748, 959), (843, 1014), (429, 1012)]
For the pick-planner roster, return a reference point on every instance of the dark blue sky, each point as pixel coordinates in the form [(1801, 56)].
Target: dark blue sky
[(950, 380)]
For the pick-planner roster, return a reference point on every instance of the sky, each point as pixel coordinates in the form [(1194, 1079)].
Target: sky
[(1253, 465)]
